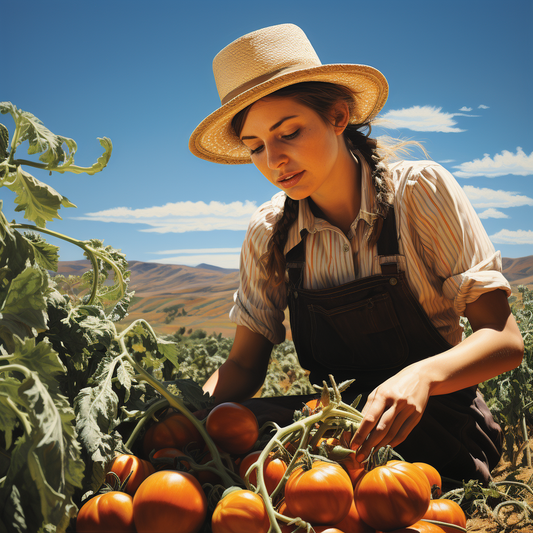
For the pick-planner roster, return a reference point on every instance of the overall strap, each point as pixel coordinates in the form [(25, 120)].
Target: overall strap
[(295, 261), (388, 243)]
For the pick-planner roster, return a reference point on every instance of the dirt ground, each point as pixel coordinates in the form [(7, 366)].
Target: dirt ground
[(505, 472)]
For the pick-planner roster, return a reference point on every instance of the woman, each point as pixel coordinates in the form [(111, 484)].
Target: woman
[(376, 261)]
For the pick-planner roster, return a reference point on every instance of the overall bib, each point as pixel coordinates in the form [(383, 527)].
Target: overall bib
[(370, 329)]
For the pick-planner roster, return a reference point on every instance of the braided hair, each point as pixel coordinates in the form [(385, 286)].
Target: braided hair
[(321, 97)]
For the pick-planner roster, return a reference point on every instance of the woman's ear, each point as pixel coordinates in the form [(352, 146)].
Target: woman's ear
[(340, 114)]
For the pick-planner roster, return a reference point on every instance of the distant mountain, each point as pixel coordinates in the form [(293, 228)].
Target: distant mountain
[(173, 296)]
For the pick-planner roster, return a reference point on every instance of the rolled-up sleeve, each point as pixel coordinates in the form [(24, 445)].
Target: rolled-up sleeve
[(448, 237), (261, 313)]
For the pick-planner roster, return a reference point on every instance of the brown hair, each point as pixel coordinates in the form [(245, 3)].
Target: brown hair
[(321, 97)]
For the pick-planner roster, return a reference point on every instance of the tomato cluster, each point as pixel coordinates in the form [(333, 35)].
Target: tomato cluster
[(317, 482)]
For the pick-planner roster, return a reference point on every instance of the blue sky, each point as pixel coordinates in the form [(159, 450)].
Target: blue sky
[(139, 72)]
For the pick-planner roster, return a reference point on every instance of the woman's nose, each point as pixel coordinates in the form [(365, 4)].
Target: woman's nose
[(276, 157)]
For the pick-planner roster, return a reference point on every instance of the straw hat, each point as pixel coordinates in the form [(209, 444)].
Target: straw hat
[(262, 62)]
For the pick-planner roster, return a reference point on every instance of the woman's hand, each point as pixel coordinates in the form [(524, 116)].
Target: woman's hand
[(392, 411)]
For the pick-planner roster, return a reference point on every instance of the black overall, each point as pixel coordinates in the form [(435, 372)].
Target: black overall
[(370, 329)]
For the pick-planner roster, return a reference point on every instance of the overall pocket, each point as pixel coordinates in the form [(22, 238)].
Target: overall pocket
[(363, 336)]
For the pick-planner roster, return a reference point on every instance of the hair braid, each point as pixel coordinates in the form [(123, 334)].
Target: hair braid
[(273, 261)]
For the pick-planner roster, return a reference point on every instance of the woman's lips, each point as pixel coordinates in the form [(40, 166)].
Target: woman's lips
[(290, 179)]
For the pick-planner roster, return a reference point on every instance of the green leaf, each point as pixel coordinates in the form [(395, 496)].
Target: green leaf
[(40, 202), (4, 142), (46, 463), (97, 414), (101, 163), (26, 299), (44, 253), (41, 140)]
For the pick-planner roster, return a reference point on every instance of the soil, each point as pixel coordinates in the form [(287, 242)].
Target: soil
[(513, 520)]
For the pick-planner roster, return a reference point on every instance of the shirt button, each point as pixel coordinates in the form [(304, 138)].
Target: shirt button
[(346, 248)]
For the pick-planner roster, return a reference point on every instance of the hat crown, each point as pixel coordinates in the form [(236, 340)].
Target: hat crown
[(260, 54)]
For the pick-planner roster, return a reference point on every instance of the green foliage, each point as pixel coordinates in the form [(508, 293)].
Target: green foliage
[(71, 386)]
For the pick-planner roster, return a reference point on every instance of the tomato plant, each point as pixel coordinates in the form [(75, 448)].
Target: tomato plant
[(125, 464), (393, 495), (233, 427), (169, 501), (174, 431), (240, 511), (273, 470), (445, 510), (110, 511), (320, 493)]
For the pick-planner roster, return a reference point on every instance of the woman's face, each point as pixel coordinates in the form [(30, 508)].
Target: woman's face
[(293, 147)]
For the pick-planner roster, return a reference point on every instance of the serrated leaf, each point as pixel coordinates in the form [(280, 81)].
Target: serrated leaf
[(44, 253), (8, 419), (39, 201), (46, 462), (97, 414), (26, 298), (124, 373), (170, 350), (101, 163)]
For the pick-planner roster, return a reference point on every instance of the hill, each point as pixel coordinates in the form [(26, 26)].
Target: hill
[(170, 297)]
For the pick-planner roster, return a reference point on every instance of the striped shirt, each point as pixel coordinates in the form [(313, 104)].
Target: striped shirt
[(447, 256)]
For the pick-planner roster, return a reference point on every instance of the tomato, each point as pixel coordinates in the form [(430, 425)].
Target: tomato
[(434, 478), (123, 464), (240, 511), (273, 470), (352, 522), (392, 496), (321, 494), (448, 511), (317, 529), (233, 427), (418, 527), (174, 431), (110, 511), (169, 501), (170, 454)]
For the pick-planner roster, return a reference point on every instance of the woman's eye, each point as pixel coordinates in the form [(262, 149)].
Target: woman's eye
[(256, 150), (292, 135)]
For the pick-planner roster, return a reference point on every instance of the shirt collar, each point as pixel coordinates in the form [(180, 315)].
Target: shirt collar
[(368, 210)]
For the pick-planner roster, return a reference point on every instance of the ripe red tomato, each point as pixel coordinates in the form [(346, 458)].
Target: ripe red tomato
[(123, 464), (169, 501), (233, 427), (273, 470), (170, 454), (321, 494), (240, 511), (434, 478), (174, 431), (418, 527), (392, 496), (353, 523), (110, 511), (448, 511)]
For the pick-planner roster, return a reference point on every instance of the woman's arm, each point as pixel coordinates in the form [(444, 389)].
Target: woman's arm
[(243, 373), (396, 406)]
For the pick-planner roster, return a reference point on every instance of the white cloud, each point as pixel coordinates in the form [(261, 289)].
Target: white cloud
[(506, 236), (181, 217), (216, 259), (465, 109), (199, 251), (483, 106), (519, 164), (484, 198), (421, 118), (446, 161), (492, 213)]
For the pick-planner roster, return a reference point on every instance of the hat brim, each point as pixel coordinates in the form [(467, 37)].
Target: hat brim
[(214, 139)]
